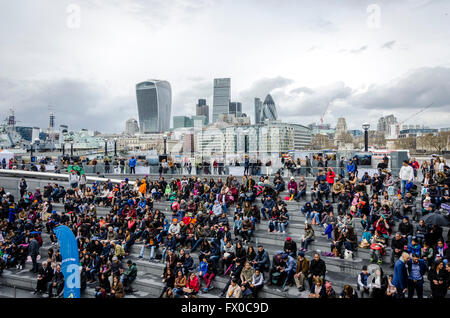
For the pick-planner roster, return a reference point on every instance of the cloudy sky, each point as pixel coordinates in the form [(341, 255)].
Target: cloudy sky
[(356, 59)]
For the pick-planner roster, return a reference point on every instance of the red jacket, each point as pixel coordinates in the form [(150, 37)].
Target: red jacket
[(193, 284), (330, 176)]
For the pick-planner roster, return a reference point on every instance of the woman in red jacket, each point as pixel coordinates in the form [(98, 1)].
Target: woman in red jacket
[(192, 286), (330, 177)]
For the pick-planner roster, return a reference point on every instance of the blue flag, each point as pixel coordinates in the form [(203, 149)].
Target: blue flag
[(70, 261)]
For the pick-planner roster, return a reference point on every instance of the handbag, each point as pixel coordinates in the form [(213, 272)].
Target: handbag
[(348, 254)]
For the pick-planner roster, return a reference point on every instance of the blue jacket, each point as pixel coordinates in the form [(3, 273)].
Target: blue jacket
[(414, 249), (203, 267), (320, 178), (132, 162), (237, 224), (291, 264), (171, 244), (400, 280), (350, 167), (269, 204), (422, 265)]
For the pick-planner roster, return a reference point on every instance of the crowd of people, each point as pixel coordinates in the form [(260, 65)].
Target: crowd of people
[(197, 241)]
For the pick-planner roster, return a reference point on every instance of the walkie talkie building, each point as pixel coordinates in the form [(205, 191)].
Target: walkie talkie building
[(154, 100)]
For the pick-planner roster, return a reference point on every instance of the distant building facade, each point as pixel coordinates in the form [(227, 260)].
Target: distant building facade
[(258, 110), (235, 109), (131, 127), (154, 99), (222, 97), (202, 109), (182, 122), (385, 124)]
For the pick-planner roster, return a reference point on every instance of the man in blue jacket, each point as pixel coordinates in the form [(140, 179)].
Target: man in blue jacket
[(400, 279), (262, 260), (291, 267), (132, 165), (267, 207), (416, 268), (350, 166)]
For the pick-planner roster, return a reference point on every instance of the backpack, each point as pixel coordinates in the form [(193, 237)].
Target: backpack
[(276, 278)]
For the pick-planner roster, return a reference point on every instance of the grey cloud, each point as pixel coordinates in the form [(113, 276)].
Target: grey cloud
[(304, 90), (295, 103), (265, 86), (417, 89), (360, 50), (184, 101), (76, 103), (388, 45)]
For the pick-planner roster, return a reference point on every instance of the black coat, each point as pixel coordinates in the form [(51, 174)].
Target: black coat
[(317, 268)]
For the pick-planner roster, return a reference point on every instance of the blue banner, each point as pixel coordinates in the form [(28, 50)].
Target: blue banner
[(70, 265)]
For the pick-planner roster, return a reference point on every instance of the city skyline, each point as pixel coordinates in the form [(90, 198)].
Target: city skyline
[(342, 58)]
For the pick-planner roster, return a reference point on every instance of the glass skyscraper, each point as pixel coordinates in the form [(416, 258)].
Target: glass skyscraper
[(203, 110), (222, 97), (154, 99), (269, 110), (235, 109), (258, 110)]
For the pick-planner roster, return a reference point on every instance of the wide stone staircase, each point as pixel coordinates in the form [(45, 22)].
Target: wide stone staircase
[(149, 282)]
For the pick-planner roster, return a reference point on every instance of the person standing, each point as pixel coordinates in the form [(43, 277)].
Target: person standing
[(416, 269), (107, 166), (34, 252), (23, 187), (308, 166), (341, 167), (400, 280), (406, 176), (350, 167), (132, 165), (246, 165), (74, 178), (415, 166)]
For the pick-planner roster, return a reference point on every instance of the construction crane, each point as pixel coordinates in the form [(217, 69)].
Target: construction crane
[(414, 115)]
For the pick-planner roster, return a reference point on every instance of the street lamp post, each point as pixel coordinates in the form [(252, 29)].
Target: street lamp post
[(106, 147), (366, 127), (165, 144), (71, 149), (63, 149), (115, 147)]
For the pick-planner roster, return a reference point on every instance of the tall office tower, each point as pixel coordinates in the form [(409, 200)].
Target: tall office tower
[(131, 127), (235, 109), (222, 97), (269, 110), (203, 110), (258, 110), (154, 99)]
